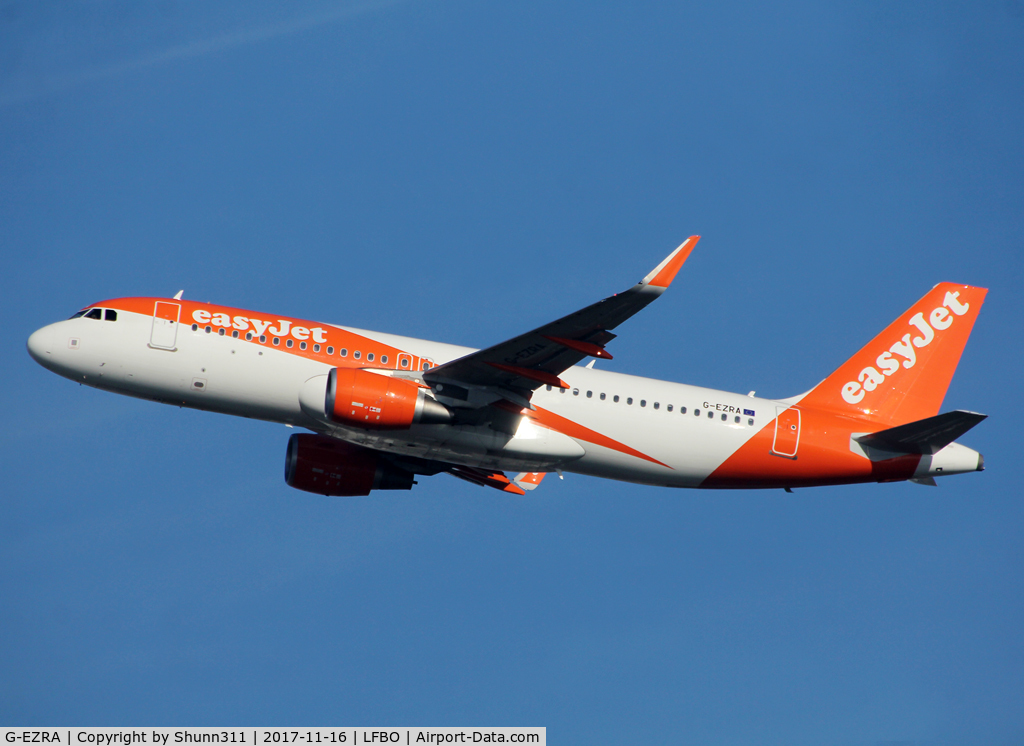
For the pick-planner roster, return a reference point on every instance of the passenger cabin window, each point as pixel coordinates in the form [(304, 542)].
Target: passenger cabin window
[(94, 314), (682, 410), (711, 415), (668, 407), (369, 357), (602, 397), (615, 398), (110, 315), (357, 354), (629, 400), (590, 394), (330, 350), (643, 402)]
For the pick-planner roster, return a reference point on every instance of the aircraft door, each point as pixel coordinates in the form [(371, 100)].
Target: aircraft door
[(165, 325), (787, 432)]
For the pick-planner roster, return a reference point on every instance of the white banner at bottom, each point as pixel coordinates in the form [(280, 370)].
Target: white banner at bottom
[(270, 736)]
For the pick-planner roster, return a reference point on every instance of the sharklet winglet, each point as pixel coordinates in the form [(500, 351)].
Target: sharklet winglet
[(662, 275)]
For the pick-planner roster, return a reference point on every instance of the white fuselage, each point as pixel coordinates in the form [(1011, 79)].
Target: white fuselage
[(606, 424), (689, 430)]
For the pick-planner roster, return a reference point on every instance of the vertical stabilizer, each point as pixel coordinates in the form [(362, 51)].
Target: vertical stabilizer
[(902, 374)]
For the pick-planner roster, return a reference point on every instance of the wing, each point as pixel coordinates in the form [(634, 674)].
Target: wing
[(484, 478), (525, 363)]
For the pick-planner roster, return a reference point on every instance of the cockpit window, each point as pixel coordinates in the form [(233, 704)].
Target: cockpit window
[(80, 313), (95, 313), (110, 314)]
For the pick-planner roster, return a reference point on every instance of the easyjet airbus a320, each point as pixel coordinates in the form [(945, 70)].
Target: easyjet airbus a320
[(383, 408)]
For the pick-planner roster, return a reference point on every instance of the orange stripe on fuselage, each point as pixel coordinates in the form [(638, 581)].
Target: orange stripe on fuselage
[(823, 457), (241, 320), (566, 426)]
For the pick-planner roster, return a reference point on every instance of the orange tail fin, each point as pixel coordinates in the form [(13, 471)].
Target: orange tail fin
[(902, 374)]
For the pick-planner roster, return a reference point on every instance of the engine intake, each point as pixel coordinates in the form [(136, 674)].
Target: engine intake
[(357, 397), (325, 466)]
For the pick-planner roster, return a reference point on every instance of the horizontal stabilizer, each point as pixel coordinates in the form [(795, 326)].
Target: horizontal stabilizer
[(929, 435)]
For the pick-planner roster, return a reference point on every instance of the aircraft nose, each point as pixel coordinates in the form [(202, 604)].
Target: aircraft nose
[(40, 344)]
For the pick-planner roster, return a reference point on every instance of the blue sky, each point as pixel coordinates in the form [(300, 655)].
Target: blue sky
[(464, 172)]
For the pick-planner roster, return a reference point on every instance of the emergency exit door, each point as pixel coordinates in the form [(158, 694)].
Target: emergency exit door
[(787, 432), (165, 325)]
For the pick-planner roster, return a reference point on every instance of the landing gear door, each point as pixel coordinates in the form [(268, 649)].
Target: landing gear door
[(787, 432), (165, 325)]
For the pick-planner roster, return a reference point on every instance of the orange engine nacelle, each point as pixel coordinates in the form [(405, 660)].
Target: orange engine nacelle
[(326, 466), (356, 397)]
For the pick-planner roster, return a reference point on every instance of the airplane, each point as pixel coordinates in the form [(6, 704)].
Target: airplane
[(384, 409)]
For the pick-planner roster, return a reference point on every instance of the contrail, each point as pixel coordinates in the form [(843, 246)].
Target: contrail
[(58, 83)]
